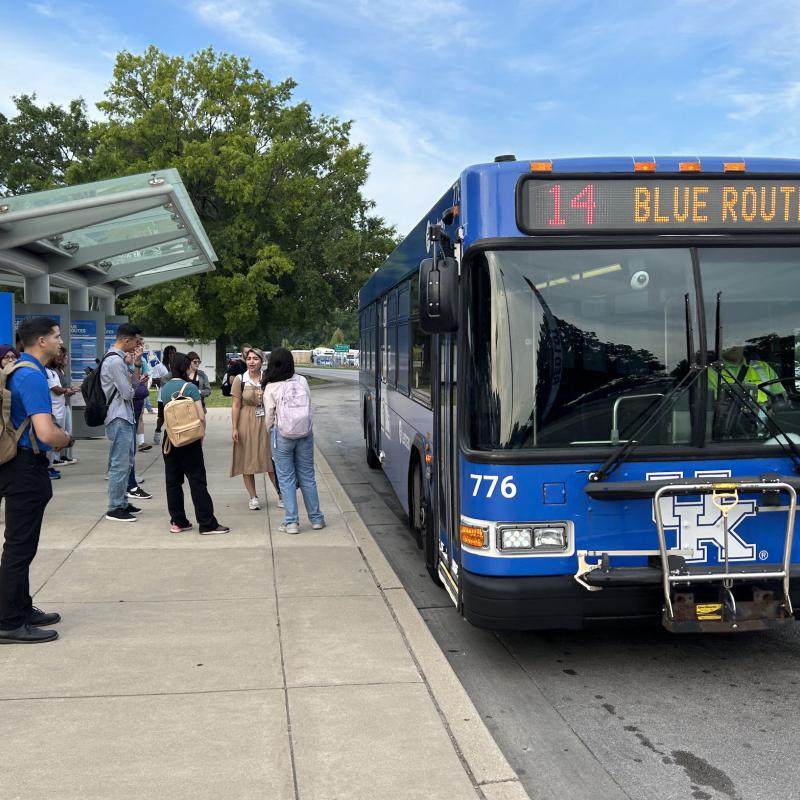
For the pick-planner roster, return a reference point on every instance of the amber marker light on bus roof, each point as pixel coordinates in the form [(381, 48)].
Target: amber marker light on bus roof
[(472, 535), (689, 166), (644, 166), (734, 166), (541, 166)]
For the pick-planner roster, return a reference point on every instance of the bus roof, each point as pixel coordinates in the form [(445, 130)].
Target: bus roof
[(486, 197)]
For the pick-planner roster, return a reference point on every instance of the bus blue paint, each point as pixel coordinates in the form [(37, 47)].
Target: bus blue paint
[(546, 481)]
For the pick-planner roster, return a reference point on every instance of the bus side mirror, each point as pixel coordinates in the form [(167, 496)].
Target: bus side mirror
[(438, 295)]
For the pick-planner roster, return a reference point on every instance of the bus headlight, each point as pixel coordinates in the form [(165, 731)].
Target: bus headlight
[(543, 538), (516, 538), (552, 537)]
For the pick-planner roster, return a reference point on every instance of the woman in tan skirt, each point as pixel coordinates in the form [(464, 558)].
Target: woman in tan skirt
[(252, 454)]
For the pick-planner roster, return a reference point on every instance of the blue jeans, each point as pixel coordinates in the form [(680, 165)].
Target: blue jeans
[(122, 435), (294, 464)]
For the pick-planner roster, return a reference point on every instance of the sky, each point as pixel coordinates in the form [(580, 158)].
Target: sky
[(433, 86)]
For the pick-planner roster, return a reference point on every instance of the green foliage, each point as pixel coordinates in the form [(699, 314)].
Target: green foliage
[(277, 188), (40, 144), (337, 337)]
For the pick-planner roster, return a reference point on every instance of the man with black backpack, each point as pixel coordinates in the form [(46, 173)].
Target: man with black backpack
[(119, 377), (24, 483)]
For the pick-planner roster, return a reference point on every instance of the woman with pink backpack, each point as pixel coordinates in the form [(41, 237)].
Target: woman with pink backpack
[(288, 417)]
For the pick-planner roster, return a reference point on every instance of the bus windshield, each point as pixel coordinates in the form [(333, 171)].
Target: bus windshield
[(576, 347)]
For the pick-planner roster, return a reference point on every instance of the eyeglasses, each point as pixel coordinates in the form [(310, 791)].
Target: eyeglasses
[(195, 361)]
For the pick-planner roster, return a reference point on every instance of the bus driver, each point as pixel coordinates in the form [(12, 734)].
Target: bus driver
[(752, 373)]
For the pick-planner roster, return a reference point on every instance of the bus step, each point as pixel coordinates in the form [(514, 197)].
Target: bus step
[(763, 612)]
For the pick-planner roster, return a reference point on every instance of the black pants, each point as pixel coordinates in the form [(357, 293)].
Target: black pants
[(187, 462), (27, 489), (160, 417)]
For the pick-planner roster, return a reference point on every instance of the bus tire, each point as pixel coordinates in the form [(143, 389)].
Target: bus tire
[(373, 462), (421, 521)]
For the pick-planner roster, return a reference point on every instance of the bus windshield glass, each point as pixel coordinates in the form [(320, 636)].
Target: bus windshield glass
[(577, 347)]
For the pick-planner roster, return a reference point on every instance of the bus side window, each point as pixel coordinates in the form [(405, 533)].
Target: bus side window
[(420, 343)]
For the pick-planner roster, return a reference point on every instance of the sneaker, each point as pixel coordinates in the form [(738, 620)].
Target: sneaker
[(120, 515), (318, 526), (280, 503), (26, 634), (66, 462), (54, 474), (150, 410), (290, 527), (132, 509), (255, 504), (41, 619), (144, 447), (137, 493), (218, 529), (174, 527), (157, 437)]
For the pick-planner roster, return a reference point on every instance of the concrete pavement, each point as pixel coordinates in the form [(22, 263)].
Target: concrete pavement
[(252, 664)]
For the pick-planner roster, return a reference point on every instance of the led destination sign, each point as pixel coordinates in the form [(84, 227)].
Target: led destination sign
[(707, 204)]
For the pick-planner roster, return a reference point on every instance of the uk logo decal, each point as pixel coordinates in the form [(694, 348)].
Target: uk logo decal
[(697, 524)]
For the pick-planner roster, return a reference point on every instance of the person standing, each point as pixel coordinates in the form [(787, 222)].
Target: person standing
[(25, 485), (58, 403), (166, 355), (62, 368), (140, 390), (118, 384), (198, 377), (8, 355), (252, 454), (186, 461), (237, 367), (294, 456)]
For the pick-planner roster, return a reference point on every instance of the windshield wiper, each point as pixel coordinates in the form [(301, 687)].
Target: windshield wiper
[(759, 412), (667, 402), (746, 401)]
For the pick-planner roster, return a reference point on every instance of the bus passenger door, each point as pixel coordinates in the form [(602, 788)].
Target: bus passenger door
[(445, 447), (381, 397)]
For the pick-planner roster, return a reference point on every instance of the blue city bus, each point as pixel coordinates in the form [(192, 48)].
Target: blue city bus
[(582, 380)]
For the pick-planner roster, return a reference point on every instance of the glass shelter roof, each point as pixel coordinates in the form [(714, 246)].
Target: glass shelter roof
[(112, 236)]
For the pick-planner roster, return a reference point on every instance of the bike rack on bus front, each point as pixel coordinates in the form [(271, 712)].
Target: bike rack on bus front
[(764, 610)]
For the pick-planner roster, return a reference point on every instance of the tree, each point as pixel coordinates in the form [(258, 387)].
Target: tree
[(337, 338), (277, 188), (40, 144)]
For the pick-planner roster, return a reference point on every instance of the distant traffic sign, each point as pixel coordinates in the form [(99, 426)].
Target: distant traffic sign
[(341, 348)]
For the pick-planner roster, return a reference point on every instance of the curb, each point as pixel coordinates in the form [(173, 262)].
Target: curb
[(485, 764)]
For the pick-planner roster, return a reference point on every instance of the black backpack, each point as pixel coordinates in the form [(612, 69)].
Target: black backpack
[(94, 397)]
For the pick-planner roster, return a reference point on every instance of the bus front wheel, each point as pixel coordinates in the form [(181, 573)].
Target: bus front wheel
[(421, 521)]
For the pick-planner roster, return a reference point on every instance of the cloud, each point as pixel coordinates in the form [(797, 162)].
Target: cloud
[(54, 74), (82, 23), (413, 162), (251, 21)]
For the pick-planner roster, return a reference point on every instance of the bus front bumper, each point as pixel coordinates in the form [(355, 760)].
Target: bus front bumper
[(560, 602)]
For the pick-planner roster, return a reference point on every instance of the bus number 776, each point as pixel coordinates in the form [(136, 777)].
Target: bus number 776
[(507, 486)]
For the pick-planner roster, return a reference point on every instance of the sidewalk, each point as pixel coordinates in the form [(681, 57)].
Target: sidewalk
[(249, 665)]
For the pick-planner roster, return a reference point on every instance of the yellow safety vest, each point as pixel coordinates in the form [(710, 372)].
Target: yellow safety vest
[(757, 372)]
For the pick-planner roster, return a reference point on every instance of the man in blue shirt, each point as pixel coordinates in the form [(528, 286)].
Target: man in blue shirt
[(25, 485)]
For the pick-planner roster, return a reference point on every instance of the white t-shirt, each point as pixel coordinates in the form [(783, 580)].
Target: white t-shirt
[(58, 401)]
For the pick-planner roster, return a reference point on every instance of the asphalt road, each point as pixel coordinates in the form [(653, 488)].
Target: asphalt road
[(342, 374), (625, 713)]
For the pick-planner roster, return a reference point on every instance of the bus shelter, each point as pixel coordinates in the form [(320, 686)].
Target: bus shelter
[(90, 244)]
